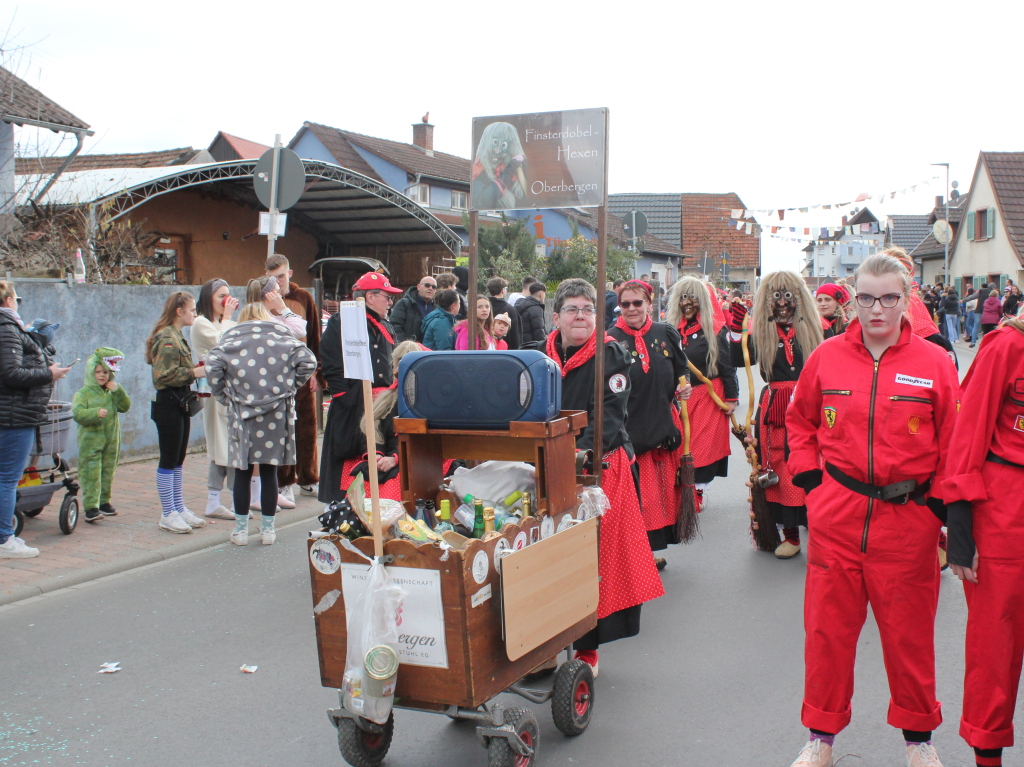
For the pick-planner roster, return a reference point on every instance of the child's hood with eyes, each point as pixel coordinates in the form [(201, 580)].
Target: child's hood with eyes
[(106, 356)]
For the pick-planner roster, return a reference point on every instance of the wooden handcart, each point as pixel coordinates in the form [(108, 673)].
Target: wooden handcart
[(507, 605)]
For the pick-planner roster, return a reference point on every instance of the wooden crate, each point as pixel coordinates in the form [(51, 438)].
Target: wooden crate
[(479, 666), (550, 446)]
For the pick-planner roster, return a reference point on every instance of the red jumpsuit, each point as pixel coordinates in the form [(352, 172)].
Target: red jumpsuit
[(879, 423), (991, 425)]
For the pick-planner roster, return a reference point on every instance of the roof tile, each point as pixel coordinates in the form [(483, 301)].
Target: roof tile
[(1006, 171), (706, 227), (18, 99), (180, 156)]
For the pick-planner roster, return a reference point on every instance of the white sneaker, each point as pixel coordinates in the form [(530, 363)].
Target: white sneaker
[(268, 537), (173, 523), (15, 548), (285, 503), (192, 520), (816, 753), (255, 506), (220, 513), (313, 489), (288, 493), (240, 538), (922, 755)]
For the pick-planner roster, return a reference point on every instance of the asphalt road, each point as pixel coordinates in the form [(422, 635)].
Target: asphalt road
[(715, 678)]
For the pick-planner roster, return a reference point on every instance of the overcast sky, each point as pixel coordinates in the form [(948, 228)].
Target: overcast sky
[(786, 103)]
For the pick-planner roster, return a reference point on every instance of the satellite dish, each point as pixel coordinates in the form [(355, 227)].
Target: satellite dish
[(942, 231), (955, 184), (954, 195)]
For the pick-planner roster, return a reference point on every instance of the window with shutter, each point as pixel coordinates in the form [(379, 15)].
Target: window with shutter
[(1002, 282), (990, 223), (970, 225)]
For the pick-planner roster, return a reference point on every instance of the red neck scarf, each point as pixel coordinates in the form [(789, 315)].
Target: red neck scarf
[(787, 336), (381, 328), (638, 339), (580, 358), (688, 330)]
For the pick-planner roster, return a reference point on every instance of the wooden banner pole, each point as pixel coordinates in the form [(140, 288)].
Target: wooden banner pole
[(371, 460), (474, 238), (602, 261)]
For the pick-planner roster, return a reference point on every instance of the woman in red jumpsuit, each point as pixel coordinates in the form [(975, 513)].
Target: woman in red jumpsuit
[(869, 427), (986, 537), (654, 425)]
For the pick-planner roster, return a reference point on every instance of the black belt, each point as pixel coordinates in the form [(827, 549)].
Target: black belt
[(993, 458), (897, 492)]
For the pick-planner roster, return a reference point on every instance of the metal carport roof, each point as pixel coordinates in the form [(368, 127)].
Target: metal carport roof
[(338, 205)]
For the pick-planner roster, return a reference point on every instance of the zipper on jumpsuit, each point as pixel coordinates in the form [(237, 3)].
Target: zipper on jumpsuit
[(871, 452)]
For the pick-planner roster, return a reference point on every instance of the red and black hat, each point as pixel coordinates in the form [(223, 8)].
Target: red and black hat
[(375, 281), (837, 292)]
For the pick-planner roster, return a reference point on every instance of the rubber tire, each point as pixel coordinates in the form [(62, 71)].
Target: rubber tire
[(568, 719), (358, 747), (68, 516), (501, 754), (34, 512), (19, 523)]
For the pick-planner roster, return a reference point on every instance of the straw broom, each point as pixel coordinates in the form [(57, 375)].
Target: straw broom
[(762, 525), (687, 527)]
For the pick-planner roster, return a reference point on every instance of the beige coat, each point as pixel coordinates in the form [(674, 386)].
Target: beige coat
[(205, 336)]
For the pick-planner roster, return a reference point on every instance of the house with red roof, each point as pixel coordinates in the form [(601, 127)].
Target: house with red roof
[(989, 243)]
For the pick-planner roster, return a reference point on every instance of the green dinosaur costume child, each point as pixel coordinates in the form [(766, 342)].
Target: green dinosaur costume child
[(95, 409)]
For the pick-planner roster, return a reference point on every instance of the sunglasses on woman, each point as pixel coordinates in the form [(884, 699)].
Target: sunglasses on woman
[(634, 304)]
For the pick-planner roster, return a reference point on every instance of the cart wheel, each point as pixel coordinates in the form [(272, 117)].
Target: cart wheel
[(19, 522), (33, 512), (572, 699), (68, 516), (361, 748), (501, 754)]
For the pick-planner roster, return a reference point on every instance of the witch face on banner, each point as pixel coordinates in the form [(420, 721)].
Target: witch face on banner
[(498, 169)]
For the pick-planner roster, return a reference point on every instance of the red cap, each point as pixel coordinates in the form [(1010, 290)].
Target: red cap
[(375, 281)]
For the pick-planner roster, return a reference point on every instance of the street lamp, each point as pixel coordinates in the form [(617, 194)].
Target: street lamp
[(945, 263)]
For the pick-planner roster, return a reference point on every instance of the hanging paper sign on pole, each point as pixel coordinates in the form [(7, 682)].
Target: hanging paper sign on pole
[(355, 341)]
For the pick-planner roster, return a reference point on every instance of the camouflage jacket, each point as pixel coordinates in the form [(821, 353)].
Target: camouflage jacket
[(172, 359)]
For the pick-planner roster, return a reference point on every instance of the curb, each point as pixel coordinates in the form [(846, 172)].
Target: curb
[(143, 558)]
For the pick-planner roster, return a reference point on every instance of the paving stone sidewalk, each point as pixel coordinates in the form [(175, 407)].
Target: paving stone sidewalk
[(131, 539)]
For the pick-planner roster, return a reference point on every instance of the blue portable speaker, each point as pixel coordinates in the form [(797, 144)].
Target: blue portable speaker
[(478, 390)]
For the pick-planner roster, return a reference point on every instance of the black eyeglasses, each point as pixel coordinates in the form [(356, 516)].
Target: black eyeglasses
[(634, 304), (888, 301), (18, 299)]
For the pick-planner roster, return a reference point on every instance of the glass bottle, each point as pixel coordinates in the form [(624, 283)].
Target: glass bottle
[(478, 518), (430, 513), (526, 505)]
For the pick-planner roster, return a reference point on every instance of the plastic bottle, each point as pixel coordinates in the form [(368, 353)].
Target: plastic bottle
[(444, 524), (464, 516), (79, 266)]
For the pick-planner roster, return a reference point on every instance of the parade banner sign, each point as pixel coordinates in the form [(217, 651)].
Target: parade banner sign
[(355, 341), (544, 160)]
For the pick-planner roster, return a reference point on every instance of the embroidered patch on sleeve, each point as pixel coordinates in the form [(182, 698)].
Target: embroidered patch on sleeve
[(1019, 424), (830, 417)]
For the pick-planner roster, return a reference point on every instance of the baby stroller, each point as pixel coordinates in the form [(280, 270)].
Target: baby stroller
[(38, 485)]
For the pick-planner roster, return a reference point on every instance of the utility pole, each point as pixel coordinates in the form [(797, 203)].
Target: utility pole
[(945, 262)]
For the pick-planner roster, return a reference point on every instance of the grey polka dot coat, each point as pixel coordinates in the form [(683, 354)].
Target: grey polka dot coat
[(254, 372)]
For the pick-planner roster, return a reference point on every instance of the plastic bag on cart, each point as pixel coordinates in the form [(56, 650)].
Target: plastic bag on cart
[(371, 660), (593, 503), (494, 480)]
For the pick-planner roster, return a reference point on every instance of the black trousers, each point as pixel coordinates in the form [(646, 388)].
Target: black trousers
[(268, 489), (172, 429)]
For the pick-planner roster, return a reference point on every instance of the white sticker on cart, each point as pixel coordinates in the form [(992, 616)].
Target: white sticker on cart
[(481, 566), (499, 549), (566, 522), (520, 542), (325, 556), (421, 638), (547, 527), (481, 596)]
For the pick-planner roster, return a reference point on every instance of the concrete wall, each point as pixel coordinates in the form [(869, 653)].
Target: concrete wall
[(121, 316)]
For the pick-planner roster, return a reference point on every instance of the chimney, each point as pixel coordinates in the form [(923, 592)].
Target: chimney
[(423, 134), (938, 201)]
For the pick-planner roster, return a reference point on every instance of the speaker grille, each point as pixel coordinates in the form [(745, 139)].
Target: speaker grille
[(468, 391)]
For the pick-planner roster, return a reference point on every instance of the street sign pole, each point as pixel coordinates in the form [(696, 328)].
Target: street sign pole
[(272, 236), (602, 260)]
